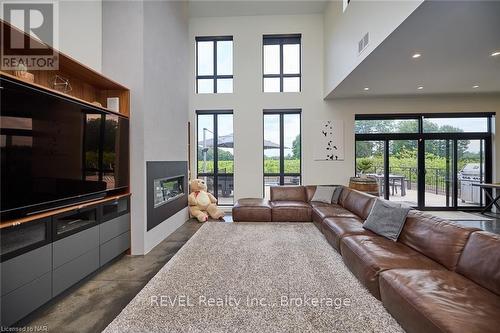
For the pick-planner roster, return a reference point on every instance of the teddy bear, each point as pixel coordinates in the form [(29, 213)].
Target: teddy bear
[(201, 203)]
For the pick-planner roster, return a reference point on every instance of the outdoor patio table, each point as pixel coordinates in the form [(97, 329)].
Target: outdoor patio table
[(392, 182)]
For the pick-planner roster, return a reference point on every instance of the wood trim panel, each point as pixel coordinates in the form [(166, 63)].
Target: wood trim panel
[(9, 223), (87, 85), (87, 93)]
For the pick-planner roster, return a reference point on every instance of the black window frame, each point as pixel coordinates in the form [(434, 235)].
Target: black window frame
[(213, 77), (282, 40), (281, 174), (215, 173), (421, 136)]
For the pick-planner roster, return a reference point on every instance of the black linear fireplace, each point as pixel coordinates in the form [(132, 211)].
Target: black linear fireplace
[(167, 190)]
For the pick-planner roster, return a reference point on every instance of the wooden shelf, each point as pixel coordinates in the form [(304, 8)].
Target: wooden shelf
[(80, 205), (87, 85), (52, 91)]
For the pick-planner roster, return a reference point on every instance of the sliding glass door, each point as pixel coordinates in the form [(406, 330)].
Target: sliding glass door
[(403, 176), (282, 148), (426, 161), (216, 165), (439, 157)]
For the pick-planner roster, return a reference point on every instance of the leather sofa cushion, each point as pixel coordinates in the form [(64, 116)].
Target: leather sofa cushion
[(310, 190), (368, 256), (289, 204), (358, 202), (334, 228), (332, 210), (436, 238), (288, 193), (439, 301), (480, 261), (252, 210), (318, 204), (290, 211), (343, 196), (252, 202)]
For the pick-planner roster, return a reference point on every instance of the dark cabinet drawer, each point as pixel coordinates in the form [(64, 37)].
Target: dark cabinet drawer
[(20, 302), (114, 247), (115, 208), (18, 239), (70, 273), (71, 247), (114, 227), (25, 268), (74, 221)]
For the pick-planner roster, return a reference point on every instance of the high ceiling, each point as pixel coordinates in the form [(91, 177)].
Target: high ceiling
[(455, 40), (207, 8)]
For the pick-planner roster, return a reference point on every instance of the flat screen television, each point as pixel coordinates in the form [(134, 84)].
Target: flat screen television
[(56, 151)]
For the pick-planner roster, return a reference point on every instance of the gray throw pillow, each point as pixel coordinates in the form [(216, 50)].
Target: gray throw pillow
[(336, 194), (387, 219), (323, 194)]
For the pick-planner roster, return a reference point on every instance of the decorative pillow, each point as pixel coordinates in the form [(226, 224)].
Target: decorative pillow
[(323, 194), (336, 194), (387, 219)]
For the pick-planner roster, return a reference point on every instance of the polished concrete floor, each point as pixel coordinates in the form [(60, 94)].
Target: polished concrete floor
[(93, 303)]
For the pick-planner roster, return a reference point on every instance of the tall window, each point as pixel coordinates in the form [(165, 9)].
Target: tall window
[(282, 63), (214, 65), (282, 148), (215, 153)]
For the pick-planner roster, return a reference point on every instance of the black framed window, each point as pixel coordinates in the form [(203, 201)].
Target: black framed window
[(215, 153), (429, 161), (214, 65), (282, 148), (282, 63)]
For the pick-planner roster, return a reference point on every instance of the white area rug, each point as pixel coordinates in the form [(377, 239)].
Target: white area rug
[(255, 277), (459, 216)]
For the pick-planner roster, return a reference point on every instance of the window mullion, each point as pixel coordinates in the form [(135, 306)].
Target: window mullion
[(215, 67), (281, 67), (216, 155), (282, 150)]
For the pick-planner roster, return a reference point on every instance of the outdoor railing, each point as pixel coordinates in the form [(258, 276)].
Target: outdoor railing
[(436, 180)]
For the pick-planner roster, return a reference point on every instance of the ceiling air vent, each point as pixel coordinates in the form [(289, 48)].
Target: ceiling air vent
[(363, 43)]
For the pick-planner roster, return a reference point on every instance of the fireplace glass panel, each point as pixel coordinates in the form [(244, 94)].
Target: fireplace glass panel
[(167, 189)]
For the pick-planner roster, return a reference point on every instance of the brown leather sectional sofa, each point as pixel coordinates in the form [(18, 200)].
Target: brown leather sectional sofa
[(438, 276)]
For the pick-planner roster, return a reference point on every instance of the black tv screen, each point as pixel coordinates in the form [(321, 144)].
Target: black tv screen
[(56, 151)]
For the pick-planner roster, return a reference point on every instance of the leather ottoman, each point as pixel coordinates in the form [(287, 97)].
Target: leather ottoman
[(252, 210)]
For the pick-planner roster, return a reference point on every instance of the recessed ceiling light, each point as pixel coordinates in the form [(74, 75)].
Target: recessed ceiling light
[(366, 88), (416, 55), (420, 87), (495, 54), (475, 86)]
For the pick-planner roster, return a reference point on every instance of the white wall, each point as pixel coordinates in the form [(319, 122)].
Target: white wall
[(138, 38), (248, 100), (343, 30), (80, 31), (165, 94)]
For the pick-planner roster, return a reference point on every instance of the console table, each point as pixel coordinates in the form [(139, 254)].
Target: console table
[(494, 200)]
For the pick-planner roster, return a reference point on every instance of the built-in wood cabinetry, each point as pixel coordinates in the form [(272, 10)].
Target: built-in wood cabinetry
[(46, 253)]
